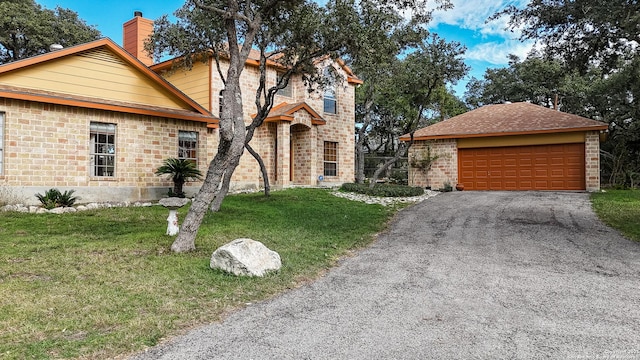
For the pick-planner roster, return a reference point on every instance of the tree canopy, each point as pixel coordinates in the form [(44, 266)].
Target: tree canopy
[(295, 34), (589, 60), (581, 32), (27, 29)]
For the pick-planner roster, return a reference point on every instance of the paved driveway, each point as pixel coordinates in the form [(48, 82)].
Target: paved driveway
[(485, 275)]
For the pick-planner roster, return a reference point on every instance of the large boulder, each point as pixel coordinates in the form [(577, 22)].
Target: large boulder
[(245, 257)]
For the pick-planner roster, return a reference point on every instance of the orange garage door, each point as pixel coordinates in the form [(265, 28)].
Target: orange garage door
[(540, 167)]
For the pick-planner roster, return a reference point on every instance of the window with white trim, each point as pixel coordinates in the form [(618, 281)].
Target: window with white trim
[(188, 145), (330, 158), (330, 102), (287, 90), (103, 149), (220, 98), (1, 143)]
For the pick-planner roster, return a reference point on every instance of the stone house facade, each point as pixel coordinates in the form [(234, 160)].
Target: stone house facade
[(98, 120), (308, 137), (65, 125)]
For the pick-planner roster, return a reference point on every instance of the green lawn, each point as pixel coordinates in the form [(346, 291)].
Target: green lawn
[(619, 209), (101, 283)]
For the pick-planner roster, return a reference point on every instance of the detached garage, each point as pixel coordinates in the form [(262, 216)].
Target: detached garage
[(519, 146)]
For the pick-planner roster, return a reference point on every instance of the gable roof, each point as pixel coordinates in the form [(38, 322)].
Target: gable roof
[(98, 75), (254, 60), (285, 112), (506, 119)]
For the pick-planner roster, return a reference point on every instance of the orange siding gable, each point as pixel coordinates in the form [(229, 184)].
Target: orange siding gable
[(95, 73), (98, 75), (194, 82)]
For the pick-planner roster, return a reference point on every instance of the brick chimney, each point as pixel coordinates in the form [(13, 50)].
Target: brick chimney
[(134, 34)]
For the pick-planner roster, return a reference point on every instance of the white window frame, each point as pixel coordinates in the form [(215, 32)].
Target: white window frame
[(220, 101), (330, 105), (331, 170), (102, 138), (188, 145), (287, 91)]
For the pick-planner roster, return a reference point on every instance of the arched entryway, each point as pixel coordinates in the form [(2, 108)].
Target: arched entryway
[(301, 155)]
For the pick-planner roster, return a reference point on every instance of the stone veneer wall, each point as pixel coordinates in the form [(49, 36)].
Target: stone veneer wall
[(301, 146), (339, 128), (444, 169), (48, 146), (592, 161)]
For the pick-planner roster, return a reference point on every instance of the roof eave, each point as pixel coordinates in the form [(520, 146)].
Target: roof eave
[(109, 107), (120, 52), (498, 134)]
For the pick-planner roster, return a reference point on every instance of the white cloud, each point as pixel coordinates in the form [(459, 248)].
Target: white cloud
[(497, 53), (473, 15)]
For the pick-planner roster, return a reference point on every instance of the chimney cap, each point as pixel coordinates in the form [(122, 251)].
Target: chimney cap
[(137, 13)]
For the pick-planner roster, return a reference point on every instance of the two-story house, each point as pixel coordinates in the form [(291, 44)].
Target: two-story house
[(100, 119)]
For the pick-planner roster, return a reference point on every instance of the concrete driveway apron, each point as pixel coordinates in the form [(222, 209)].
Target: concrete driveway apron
[(463, 275)]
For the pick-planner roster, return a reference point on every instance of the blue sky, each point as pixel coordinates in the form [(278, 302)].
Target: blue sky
[(488, 44)]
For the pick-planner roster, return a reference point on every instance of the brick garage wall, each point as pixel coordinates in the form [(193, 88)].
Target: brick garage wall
[(592, 160), (48, 146), (444, 169)]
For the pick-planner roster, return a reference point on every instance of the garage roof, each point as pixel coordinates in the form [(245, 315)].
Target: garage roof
[(506, 119)]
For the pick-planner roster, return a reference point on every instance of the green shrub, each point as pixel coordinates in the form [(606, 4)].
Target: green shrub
[(446, 187), (383, 190), (180, 171), (53, 198)]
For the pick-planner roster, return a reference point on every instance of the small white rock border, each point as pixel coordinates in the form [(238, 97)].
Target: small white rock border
[(385, 201), (32, 209)]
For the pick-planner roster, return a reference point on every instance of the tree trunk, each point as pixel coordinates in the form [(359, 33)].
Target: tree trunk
[(359, 161), (221, 193), (263, 169), (366, 121), (230, 149), (185, 241), (177, 188), (402, 149)]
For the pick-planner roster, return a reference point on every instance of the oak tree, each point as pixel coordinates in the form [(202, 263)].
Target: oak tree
[(27, 29), (293, 33)]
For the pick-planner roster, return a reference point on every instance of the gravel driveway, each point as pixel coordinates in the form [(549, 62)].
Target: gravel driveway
[(485, 275)]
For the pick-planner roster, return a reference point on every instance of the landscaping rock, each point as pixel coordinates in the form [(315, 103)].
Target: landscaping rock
[(173, 202), (57, 210), (245, 257)]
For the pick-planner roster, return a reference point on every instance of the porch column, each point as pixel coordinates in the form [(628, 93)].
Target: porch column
[(284, 155), (313, 144)]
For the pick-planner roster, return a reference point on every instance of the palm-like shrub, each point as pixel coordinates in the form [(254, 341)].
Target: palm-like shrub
[(180, 171), (53, 198)]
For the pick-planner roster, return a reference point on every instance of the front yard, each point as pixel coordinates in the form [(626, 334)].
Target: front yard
[(100, 283), (103, 283), (619, 209)]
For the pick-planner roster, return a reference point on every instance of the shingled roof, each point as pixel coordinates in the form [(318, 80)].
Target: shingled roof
[(506, 119), (285, 112)]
